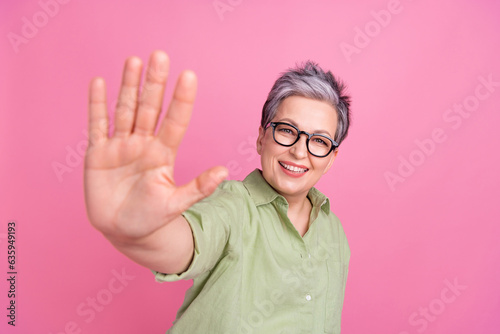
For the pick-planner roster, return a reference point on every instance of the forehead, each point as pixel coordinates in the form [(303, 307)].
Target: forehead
[(308, 114)]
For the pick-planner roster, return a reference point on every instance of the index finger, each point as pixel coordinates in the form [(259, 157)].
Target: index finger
[(178, 115)]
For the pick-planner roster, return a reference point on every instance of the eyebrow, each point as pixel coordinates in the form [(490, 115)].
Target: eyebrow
[(315, 131)]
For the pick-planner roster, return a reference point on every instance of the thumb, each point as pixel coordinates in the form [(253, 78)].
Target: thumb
[(199, 188)]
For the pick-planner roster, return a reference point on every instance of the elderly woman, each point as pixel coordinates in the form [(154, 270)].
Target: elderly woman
[(266, 254)]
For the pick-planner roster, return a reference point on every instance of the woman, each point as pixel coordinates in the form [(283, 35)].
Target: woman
[(266, 254)]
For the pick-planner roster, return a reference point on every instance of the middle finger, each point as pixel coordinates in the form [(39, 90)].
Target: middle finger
[(151, 98)]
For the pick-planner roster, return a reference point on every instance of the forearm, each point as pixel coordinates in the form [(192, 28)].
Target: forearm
[(167, 250)]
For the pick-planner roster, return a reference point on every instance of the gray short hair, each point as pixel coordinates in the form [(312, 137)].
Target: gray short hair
[(309, 80)]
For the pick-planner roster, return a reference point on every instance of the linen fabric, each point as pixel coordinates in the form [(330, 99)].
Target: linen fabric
[(253, 272)]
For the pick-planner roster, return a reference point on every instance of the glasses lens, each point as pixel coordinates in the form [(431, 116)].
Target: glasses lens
[(319, 145), (285, 134)]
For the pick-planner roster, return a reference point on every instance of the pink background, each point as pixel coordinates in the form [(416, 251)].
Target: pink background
[(435, 224)]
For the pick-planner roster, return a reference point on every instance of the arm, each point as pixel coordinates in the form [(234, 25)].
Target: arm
[(130, 193), (168, 250)]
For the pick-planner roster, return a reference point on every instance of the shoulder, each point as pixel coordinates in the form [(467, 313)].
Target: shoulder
[(233, 186), (231, 191), (334, 219), (228, 197), (335, 229), (335, 223)]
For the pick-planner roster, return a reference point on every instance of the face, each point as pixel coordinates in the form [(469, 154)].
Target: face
[(308, 115)]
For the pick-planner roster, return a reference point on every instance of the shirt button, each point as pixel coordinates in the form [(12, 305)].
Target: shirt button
[(309, 255), (308, 297)]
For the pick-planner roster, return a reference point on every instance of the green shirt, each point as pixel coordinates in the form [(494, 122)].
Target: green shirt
[(253, 272)]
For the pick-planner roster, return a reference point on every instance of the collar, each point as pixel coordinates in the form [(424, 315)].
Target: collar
[(262, 193)]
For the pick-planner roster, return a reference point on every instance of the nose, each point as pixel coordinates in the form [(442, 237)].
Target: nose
[(299, 149)]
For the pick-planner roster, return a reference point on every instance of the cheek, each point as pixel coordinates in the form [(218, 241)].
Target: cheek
[(275, 152), (270, 156), (320, 167), (268, 150), (267, 157)]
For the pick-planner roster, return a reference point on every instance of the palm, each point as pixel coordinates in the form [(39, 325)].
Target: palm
[(129, 186)]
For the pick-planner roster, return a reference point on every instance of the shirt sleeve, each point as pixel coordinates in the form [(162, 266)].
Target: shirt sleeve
[(210, 221), (345, 256)]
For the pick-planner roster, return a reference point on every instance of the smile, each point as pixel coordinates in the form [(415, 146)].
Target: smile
[(293, 169)]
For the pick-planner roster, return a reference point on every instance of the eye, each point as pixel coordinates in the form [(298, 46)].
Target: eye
[(320, 141), (286, 130)]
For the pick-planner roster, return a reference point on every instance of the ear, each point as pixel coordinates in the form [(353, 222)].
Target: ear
[(332, 157), (260, 138)]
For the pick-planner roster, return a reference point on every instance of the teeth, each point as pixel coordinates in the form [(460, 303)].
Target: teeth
[(293, 168)]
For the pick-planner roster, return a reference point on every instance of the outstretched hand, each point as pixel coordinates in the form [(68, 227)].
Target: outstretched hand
[(129, 187)]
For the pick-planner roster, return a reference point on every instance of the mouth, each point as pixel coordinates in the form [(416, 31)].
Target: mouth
[(293, 169)]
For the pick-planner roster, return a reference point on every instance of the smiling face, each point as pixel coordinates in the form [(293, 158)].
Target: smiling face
[(293, 171)]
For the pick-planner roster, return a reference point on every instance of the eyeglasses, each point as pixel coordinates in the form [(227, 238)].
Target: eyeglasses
[(287, 135)]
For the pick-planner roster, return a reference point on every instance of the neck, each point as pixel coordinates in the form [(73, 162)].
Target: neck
[(298, 203)]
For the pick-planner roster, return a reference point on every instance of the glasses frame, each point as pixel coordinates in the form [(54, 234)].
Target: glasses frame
[(299, 132)]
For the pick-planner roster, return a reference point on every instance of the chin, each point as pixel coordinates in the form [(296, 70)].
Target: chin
[(292, 186)]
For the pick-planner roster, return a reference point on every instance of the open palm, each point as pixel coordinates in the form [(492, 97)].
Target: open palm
[(129, 187)]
